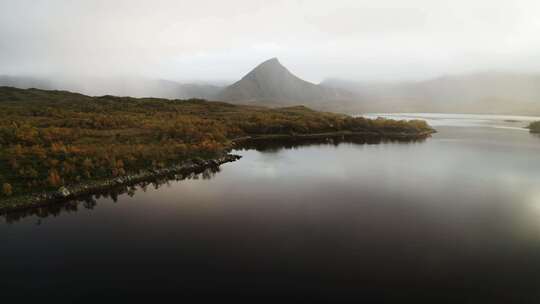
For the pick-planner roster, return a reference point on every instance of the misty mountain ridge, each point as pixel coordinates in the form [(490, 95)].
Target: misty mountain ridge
[(118, 86), (481, 92), (272, 84)]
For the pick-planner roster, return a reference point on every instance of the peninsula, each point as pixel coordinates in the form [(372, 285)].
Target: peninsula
[(57, 144)]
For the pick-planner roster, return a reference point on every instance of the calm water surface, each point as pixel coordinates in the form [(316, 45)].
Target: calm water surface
[(454, 218)]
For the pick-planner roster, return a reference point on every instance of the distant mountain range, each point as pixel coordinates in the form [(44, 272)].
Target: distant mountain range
[(271, 84), (487, 92)]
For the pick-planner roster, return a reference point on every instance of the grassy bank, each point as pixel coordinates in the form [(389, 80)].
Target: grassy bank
[(53, 139)]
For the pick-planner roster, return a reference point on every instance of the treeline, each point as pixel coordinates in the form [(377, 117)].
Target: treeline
[(53, 138)]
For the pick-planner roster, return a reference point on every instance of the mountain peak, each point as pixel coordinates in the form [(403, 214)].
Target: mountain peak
[(270, 66), (271, 81), (271, 61)]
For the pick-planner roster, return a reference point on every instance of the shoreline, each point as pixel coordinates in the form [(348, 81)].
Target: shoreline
[(66, 193), (383, 135)]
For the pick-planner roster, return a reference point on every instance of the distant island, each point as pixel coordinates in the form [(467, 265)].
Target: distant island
[(57, 144), (534, 127)]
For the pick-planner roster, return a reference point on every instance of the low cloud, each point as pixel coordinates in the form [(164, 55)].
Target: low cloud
[(221, 40)]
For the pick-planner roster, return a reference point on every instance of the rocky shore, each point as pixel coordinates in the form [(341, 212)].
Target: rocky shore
[(83, 189)]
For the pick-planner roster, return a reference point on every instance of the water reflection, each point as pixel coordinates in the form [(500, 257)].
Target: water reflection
[(276, 145)]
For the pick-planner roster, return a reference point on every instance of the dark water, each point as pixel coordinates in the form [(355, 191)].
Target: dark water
[(455, 218)]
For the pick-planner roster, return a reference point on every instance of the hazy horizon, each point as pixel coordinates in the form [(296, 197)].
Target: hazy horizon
[(207, 41)]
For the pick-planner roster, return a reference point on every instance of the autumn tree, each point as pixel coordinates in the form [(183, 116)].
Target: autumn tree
[(7, 189), (87, 166), (54, 178)]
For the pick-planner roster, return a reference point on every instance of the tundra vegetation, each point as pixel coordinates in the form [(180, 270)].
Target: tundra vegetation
[(49, 139)]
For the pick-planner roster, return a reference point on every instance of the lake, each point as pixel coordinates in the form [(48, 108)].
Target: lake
[(453, 218)]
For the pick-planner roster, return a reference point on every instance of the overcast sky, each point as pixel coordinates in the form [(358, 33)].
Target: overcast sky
[(222, 40)]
